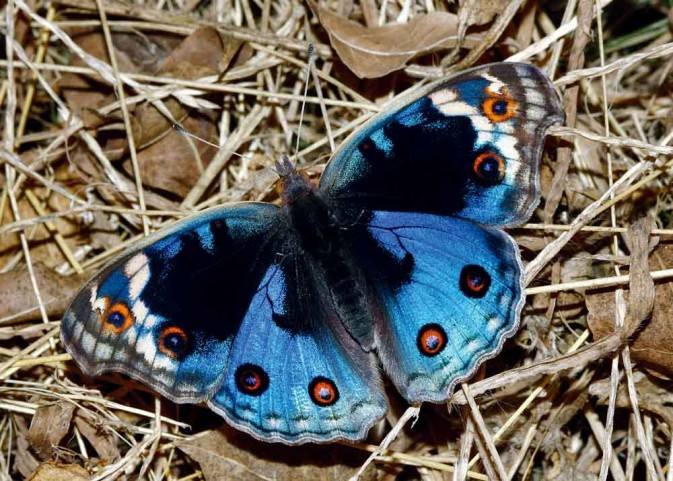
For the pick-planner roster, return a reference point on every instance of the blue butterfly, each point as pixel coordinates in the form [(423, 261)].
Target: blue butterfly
[(280, 317)]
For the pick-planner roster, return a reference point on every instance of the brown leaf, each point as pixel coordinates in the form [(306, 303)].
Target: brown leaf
[(200, 54), (653, 340), (104, 442), (376, 51), (17, 297), (48, 426), (83, 94), (60, 472), (227, 454), (168, 159)]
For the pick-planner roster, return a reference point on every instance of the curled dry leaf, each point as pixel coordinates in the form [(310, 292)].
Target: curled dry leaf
[(226, 454), (60, 472), (652, 341), (372, 52), (48, 426), (17, 297)]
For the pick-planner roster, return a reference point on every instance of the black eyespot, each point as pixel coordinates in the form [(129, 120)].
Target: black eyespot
[(431, 339), (173, 342), (500, 107), (489, 168), (116, 319), (323, 392), (474, 281), (251, 379)]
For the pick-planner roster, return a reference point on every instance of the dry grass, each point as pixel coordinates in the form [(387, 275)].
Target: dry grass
[(75, 193)]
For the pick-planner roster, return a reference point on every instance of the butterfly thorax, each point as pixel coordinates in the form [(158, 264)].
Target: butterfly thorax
[(325, 246)]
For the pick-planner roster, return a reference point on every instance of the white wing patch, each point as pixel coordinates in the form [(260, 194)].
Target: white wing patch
[(137, 269)]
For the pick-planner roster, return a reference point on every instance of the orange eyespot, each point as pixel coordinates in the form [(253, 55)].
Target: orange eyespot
[(489, 167), (251, 379), (431, 339), (499, 108), (323, 391), (173, 341), (117, 317)]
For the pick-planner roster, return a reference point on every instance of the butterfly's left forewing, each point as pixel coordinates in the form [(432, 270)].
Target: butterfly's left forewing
[(468, 146), (166, 312)]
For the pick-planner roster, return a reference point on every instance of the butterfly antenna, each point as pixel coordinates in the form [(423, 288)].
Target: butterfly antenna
[(183, 131), (309, 52)]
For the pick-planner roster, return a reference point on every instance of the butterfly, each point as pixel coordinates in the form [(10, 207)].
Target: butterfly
[(282, 318)]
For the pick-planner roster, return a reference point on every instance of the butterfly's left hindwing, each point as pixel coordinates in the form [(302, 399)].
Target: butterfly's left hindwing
[(166, 313), (450, 293)]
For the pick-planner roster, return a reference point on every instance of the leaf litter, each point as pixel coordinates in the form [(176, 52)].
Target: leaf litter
[(598, 249)]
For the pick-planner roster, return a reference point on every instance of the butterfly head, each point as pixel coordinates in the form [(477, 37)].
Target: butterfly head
[(294, 185)]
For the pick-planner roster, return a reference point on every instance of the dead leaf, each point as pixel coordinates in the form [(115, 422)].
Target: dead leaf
[(652, 342), (372, 52), (17, 297), (168, 160), (48, 426), (227, 454), (60, 472), (200, 54), (84, 94), (103, 441)]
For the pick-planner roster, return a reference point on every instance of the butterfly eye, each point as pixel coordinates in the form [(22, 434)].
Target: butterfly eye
[(431, 339), (323, 391), (251, 379), (117, 318), (499, 109), (474, 281), (489, 168), (173, 342)]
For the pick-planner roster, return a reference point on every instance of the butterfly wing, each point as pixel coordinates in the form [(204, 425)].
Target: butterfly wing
[(294, 374), (467, 146), (450, 292), (166, 312)]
